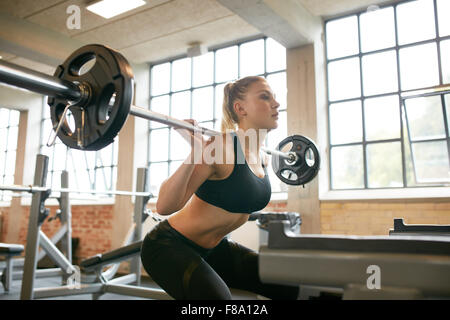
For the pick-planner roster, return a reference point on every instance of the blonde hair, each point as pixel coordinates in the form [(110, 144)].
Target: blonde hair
[(232, 92)]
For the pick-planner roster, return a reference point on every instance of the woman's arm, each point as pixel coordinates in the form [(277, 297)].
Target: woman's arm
[(178, 188)]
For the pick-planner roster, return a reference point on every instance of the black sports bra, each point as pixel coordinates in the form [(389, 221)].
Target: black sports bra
[(242, 191)]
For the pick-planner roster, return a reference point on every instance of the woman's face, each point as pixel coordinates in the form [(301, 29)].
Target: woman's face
[(259, 108)]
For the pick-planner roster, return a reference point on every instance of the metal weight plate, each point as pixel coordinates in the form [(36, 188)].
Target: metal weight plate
[(305, 168), (95, 122)]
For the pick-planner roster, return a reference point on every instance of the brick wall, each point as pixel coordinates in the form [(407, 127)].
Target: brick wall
[(377, 217), (91, 224)]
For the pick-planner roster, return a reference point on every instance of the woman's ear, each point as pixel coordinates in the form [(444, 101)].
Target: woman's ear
[(239, 109)]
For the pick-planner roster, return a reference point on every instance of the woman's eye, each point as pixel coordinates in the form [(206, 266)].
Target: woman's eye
[(265, 97)]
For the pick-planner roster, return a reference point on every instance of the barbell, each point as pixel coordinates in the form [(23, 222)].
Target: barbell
[(100, 100)]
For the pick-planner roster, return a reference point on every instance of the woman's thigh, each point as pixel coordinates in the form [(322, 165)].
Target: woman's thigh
[(181, 271)]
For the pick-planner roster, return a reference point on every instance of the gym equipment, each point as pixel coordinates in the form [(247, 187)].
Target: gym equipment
[(63, 236), (400, 228), (92, 279), (306, 165), (96, 84), (8, 251), (410, 267)]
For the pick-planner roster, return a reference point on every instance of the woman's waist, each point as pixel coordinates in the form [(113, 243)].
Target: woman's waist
[(206, 227)]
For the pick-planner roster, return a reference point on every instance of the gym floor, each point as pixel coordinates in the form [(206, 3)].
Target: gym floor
[(14, 293)]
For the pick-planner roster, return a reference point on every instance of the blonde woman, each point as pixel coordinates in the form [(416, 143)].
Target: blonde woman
[(188, 254)]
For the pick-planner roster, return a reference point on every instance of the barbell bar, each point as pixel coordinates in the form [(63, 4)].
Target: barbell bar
[(75, 92), (100, 100), (35, 189)]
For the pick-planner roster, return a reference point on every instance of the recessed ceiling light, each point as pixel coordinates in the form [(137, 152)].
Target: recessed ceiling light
[(111, 8)]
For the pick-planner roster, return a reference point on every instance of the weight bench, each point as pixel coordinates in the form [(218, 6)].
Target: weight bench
[(410, 267), (9, 251), (97, 262)]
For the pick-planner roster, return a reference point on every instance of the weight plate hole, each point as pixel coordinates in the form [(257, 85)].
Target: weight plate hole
[(82, 64), (309, 157), (289, 175), (106, 103)]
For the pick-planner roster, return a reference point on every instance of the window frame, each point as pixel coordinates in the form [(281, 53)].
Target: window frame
[(279, 195), (416, 191)]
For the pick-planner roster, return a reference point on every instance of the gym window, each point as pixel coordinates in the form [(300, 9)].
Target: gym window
[(91, 170), (188, 88), (9, 129), (387, 128)]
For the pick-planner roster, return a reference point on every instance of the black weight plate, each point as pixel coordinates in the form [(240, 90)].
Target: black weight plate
[(305, 168), (99, 119)]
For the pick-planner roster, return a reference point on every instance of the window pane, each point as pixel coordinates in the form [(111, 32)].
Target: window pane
[(4, 117), (14, 116), (431, 161), (415, 21), (47, 129), (181, 74), (99, 180), (159, 145), (181, 105), (276, 56), (418, 67), (157, 175), (380, 73), (445, 61), (160, 79), (227, 64), (2, 164), (277, 83), (90, 159), (344, 79), (106, 156), (347, 169), (12, 138), (345, 122), (160, 105), (425, 118), (384, 165), (443, 9), (203, 73), (382, 118), (10, 163), (203, 104), (377, 29), (3, 139), (219, 102), (252, 58), (179, 147), (59, 161), (342, 37), (277, 135)]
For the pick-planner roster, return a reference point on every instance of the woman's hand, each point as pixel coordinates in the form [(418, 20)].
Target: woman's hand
[(195, 139)]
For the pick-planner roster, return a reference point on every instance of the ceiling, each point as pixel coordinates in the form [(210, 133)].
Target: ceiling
[(158, 30)]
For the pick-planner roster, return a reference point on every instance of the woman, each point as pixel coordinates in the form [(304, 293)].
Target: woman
[(188, 254)]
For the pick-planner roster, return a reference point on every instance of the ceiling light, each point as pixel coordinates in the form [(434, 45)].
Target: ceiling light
[(111, 8)]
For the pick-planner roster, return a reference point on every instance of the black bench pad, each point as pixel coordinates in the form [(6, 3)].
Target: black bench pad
[(8, 248), (110, 257)]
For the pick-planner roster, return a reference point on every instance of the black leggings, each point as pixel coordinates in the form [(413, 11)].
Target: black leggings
[(186, 270)]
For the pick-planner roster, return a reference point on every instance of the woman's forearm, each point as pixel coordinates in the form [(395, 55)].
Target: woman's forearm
[(173, 190)]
